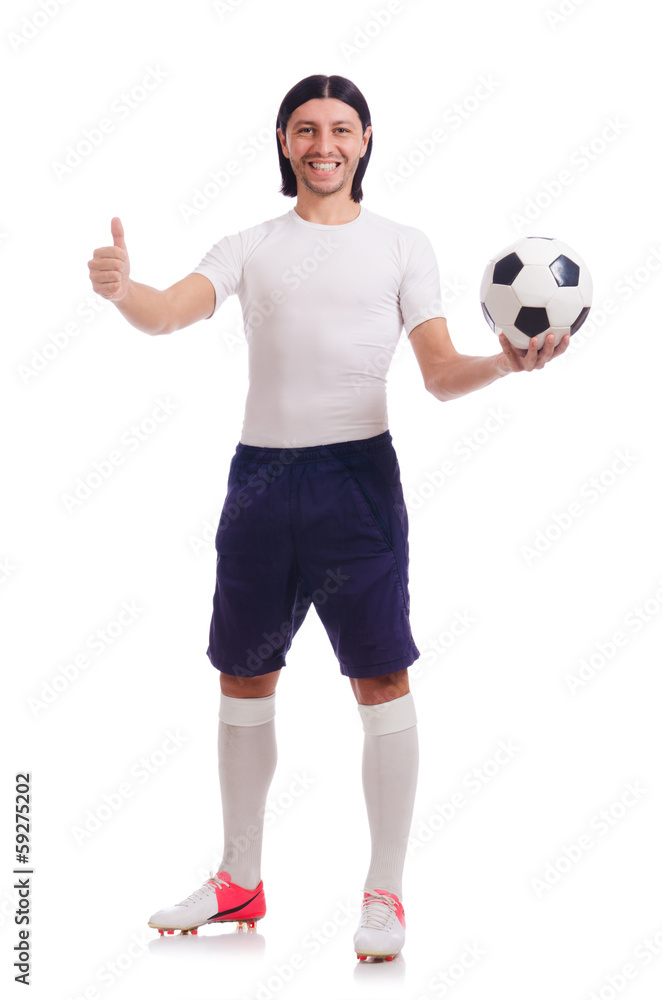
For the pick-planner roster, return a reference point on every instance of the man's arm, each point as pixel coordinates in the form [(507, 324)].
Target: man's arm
[(447, 374), (154, 312), (148, 309)]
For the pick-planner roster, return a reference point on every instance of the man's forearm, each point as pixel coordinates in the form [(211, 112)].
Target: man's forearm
[(145, 308), (463, 374)]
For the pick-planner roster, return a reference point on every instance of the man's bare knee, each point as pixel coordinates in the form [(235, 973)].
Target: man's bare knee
[(249, 687), (386, 687)]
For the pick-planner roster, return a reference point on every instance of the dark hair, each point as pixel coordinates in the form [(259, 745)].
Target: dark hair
[(308, 89)]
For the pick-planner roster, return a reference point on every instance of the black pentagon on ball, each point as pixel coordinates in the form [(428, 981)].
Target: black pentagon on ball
[(488, 317), (532, 321), (507, 269), (580, 319), (565, 271)]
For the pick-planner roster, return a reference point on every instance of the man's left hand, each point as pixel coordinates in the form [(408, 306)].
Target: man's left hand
[(514, 359)]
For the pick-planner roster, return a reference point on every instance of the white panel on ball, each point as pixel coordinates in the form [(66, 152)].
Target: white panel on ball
[(502, 302), (487, 280), (565, 307), (516, 338), (536, 250), (535, 286)]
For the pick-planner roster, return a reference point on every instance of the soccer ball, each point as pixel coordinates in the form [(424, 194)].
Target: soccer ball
[(536, 286)]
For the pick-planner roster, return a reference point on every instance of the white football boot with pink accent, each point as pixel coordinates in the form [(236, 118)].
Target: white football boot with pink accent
[(381, 930), (217, 901)]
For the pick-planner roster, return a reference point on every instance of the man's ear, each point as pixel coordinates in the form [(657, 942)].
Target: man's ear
[(283, 143)]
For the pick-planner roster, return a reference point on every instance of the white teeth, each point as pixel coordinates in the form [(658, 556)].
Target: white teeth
[(324, 166)]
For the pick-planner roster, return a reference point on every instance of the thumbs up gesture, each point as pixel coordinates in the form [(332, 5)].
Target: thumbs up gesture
[(109, 266)]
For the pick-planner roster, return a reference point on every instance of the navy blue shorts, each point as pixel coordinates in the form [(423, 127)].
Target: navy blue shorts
[(324, 525)]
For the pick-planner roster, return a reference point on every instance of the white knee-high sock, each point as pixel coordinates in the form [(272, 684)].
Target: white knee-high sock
[(390, 774), (246, 764)]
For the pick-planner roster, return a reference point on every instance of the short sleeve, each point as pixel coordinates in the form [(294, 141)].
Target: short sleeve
[(420, 288), (223, 265)]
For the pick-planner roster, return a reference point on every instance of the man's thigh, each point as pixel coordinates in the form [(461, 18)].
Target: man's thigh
[(352, 549)]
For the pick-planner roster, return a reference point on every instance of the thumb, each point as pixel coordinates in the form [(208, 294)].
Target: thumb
[(117, 231)]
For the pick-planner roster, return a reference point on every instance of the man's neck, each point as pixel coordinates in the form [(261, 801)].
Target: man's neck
[(325, 213)]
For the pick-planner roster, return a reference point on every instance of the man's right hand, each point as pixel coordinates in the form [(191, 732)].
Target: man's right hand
[(109, 267)]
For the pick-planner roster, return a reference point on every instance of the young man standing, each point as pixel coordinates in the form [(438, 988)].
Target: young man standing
[(315, 511)]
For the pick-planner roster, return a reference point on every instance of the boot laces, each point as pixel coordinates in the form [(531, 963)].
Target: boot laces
[(377, 916), (205, 890)]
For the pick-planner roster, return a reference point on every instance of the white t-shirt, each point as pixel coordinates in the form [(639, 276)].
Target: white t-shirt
[(323, 307)]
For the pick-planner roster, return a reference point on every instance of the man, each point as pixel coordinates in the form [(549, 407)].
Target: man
[(314, 511)]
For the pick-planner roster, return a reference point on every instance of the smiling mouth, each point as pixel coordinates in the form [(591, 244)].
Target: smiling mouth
[(320, 167)]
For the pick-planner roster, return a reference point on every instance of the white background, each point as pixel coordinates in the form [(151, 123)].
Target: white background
[(496, 875)]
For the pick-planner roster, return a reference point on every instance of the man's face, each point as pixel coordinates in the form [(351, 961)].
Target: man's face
[(324, 131)]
